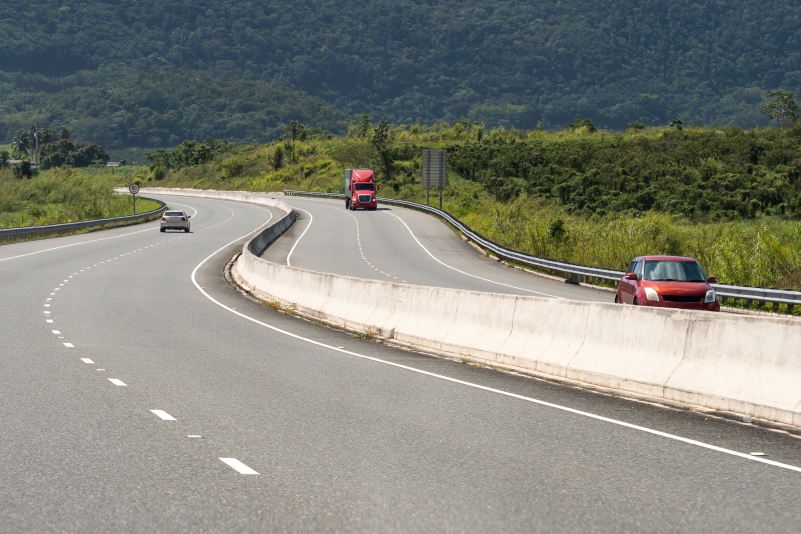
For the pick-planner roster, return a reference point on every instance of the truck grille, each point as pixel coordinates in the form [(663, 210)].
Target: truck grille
[(365, 199)]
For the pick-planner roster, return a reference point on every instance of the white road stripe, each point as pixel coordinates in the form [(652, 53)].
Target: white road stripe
[(69, 345), (86, 360), (311, 220), (464, 273), (164, 415), (117, 382), (239, 466), (588, 415), (49, 320), (56, 332)]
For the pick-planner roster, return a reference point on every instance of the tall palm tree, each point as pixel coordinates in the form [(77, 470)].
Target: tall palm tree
[(21, 144)]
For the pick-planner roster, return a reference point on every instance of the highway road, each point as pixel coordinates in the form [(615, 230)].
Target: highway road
[(139, 392)]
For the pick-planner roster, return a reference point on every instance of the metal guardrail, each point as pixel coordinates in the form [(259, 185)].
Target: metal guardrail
[(66, 227), (575, 273)]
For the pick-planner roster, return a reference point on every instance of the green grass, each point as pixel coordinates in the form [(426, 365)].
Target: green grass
[(63, 195)]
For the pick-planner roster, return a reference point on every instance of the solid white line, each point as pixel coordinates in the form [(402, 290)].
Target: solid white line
[(117, 382), (164, 415), (311, 220), (86, 360), (480, 387), (69, 345), (468, 274), (239, 466)]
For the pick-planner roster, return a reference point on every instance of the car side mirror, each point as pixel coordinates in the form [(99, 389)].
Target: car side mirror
[(188, 216), (712, 279), (630, 276)]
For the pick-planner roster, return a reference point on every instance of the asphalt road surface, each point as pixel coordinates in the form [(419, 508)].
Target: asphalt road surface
[(139, 392)]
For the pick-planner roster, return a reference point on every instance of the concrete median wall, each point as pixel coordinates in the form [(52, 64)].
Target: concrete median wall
[(743, 364)]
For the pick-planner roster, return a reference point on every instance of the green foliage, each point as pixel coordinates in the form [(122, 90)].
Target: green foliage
[(62, 195), (73, 154), (4, 157), (502, 62), (636, 126), (24, 170), (158, 108), (582, 125), (189, 154), (782, 107)]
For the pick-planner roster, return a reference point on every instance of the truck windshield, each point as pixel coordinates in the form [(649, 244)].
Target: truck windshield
[(364, 187), (673, 271)]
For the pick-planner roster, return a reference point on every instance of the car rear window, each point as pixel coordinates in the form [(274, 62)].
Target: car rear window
[(365, 187), (673, 271), (175, 213)]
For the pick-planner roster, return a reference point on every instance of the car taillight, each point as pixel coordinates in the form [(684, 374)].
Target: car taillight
[(163, 219), (183, 218)]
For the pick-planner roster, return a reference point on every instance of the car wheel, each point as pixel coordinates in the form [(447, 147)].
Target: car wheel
[(162, 230), (186, 230), (636, 302)]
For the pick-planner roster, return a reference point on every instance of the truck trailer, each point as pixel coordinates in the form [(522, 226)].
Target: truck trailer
[(360, 189)]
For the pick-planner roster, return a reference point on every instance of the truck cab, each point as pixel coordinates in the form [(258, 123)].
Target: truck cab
[(360, 189)]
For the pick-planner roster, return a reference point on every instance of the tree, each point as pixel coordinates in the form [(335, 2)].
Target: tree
[(677, 123), (21, 144), (379, 141), (783, 106), (636, 126), (64, 134), (24, 170), (586, 124), (364, 126), (294, 131), (46, 135)]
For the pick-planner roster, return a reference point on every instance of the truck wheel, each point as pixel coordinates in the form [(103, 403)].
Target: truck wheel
[(347, 204)]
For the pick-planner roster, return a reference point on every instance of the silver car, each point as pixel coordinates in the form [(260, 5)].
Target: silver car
[(175, 220)]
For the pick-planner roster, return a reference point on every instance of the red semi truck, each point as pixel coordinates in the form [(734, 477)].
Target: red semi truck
[(360, 189)]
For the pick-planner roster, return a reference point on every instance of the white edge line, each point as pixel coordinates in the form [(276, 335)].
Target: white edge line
[(238, 466), (311, 220), (647, 430), (468, 274)]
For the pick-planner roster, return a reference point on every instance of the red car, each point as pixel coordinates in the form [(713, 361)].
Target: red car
[(668, 282)]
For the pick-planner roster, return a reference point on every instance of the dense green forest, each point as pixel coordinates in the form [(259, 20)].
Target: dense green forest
[(502, 62)]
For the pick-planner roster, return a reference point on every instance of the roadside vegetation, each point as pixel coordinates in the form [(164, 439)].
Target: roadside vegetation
[(63, 195), (729, 197)]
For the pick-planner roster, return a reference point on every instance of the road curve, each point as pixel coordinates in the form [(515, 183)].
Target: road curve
[(140, 392)]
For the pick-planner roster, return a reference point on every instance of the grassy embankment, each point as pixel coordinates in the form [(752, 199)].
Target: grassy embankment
[(64, 195), (595, 199)]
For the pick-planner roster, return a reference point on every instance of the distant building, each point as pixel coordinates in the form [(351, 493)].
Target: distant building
[(115, 163), (14, 162)]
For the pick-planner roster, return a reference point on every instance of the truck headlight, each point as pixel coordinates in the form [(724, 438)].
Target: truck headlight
[(711, 296), (651, 294)]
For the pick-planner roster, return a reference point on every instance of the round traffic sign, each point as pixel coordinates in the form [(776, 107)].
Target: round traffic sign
[(133, 188)]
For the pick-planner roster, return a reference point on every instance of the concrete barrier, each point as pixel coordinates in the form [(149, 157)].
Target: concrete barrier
[(743, 364)]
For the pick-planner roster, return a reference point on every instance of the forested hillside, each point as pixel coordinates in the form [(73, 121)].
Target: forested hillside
[(498, 61)]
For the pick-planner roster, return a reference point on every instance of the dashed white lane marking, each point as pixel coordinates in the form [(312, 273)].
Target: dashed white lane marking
[(164, 415), (117, 382), (86, 360), (47, 312), (47, 305), (532, 400), (49, 298), (464, 273), (69, 345), (56, 332), (49, 320), (52, 293), (238, 466)]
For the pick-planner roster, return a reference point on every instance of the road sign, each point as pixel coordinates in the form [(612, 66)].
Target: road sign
[(435, 168), (435, 171), (133, 188)]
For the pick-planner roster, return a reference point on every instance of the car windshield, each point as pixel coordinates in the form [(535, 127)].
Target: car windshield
[(673, 271), (365, 187), (175, 214)]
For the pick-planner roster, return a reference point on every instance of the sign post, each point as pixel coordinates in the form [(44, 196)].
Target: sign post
[(435, 171), (134, 189)]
